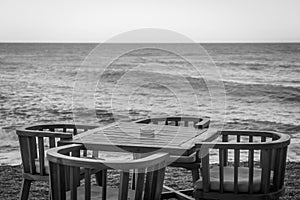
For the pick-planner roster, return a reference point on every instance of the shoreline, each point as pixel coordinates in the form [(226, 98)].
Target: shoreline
[(177, 178), (10, 153)]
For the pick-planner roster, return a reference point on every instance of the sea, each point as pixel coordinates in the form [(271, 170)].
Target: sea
[(239, 86)]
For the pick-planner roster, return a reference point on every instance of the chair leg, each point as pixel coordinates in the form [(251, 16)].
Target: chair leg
[(101, 179), (195, 174), (98, 177), (25, 189), (133, 180)]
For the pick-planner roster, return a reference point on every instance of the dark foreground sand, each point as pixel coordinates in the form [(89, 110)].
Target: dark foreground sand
[(11, 179)]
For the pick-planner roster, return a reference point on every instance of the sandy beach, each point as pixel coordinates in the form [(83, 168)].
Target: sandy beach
[(11, 180)]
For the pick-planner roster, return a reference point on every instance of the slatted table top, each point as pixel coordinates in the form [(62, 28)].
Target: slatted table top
[(127, 136)]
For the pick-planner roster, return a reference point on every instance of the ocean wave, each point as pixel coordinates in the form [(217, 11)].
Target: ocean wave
[(266, 125), (172, 62), (288, 84), (5, 62), (148, 52), (283, 93), (256, 64)]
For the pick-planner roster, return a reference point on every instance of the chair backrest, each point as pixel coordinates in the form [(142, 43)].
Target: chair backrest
[(65, 162), (265, 151), (197, 122), (35, 139)]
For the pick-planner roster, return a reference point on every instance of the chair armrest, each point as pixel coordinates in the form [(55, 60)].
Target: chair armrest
[(246, 146), (34, 133), (203, 124), (57, 155)]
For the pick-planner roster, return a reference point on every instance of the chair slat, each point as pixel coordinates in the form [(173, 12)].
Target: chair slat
[(155, 177), (139, 182), (87, 183), (277, 168), (124, 183), (52, 142), (263, 139), (41, 155), (265, 176), (84, 153), (32, 151), (225, 139), (159, 182), (250, 138), (205, 171), (236, 172), (221, 168), (67, 177), (62, 181), (74, 176), (104, 184), (34, 146), (274, 154), (133, 180), (54, 178), (75, 132), (251, 168), (148, 184), (24, 149), (238, 138), (284, 153), (76, 153)]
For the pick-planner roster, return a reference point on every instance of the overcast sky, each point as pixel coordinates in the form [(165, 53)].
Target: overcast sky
[(202, 21)]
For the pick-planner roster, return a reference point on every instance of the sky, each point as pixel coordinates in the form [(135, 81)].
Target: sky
[(199, 20)]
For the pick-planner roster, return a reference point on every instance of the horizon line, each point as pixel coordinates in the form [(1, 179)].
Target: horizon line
[(153, 42)]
